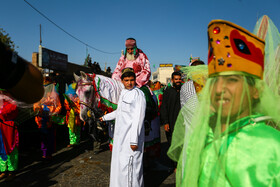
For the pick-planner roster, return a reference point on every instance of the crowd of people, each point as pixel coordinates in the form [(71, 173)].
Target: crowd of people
[(221, 122)]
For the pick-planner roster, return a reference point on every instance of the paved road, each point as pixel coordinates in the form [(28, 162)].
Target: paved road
[(79, 167)]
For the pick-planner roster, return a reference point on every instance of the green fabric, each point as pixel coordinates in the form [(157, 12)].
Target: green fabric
[(158, 93), (108, 103), (151, 106), (256, 163), (177, 143), (150, 143), (104, 100), (11, 164), (198, 73), (219, 147), (192, 137), (58, 119), (74, 130), (75, 137)]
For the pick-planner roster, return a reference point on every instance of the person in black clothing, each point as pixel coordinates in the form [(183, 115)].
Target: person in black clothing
[(108, 70), (171, 105)]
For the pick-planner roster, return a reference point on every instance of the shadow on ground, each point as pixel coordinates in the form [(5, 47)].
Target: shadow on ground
[(35, 172), (157, 175)]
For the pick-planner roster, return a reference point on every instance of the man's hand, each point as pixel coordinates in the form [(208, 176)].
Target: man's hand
[(101, 119), (134, 147), (166, 127)]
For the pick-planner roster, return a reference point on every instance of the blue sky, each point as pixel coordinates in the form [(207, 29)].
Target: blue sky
[(168, 31)]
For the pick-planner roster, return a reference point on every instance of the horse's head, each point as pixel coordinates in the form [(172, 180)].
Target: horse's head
[(86, 93)]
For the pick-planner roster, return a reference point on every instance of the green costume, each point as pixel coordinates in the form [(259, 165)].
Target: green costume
[(256, 163), (231, 137), (72, 106), (75, 137), (11, 164)]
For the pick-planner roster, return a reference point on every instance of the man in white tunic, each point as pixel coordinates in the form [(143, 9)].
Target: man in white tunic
[(129, 135)]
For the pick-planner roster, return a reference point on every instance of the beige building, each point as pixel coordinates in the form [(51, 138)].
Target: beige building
[(163, 73)]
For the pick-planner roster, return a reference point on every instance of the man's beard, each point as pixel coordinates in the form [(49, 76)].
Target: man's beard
[(177, 87), (130, 56)]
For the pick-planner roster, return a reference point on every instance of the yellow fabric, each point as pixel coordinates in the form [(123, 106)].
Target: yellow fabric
[(224, 55), (71, 120), (72, 115)]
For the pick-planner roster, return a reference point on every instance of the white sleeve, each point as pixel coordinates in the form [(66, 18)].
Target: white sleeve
[(138, 112), (110, 116)]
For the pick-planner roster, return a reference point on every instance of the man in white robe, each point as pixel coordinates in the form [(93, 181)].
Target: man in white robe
[(129, 135)]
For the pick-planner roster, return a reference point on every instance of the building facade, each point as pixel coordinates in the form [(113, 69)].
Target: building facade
[(163, 73)]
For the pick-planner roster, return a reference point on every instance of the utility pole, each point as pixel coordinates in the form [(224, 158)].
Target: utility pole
[(40, 35), (40, 50)]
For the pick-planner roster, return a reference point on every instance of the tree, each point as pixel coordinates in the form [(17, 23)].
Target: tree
[(6, 39)]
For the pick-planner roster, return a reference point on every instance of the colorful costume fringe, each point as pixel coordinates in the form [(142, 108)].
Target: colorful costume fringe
[(72, 105)]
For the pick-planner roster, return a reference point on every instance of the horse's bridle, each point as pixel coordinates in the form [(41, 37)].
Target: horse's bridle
[(89, 105)]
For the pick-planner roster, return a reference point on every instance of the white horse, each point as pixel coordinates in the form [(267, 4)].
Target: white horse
[(98, 94), (97, 91)]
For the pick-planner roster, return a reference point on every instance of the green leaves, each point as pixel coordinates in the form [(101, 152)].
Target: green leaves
[(6, 39)]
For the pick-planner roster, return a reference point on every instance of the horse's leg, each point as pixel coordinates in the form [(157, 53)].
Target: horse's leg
[(91, 130), (93, 133)]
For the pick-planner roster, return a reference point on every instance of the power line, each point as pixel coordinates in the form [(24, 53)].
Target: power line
[(68, 32)]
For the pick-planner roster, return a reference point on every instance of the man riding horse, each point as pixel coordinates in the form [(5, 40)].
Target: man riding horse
[(134, 58), (98, 92)]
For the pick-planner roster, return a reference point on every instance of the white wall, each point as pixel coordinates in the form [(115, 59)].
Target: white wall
[(163, 74)]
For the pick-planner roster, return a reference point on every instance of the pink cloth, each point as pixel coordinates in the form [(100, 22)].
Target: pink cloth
[(141, 68), (130, 43)]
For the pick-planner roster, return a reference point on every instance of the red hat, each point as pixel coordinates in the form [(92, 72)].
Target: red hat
[(130, 43)]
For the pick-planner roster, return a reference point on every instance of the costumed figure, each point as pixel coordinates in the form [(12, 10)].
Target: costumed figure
[(47, 108), (9, 138), (195, 78), (134, 58), (72, 106), (234, 139), (158, 91)]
